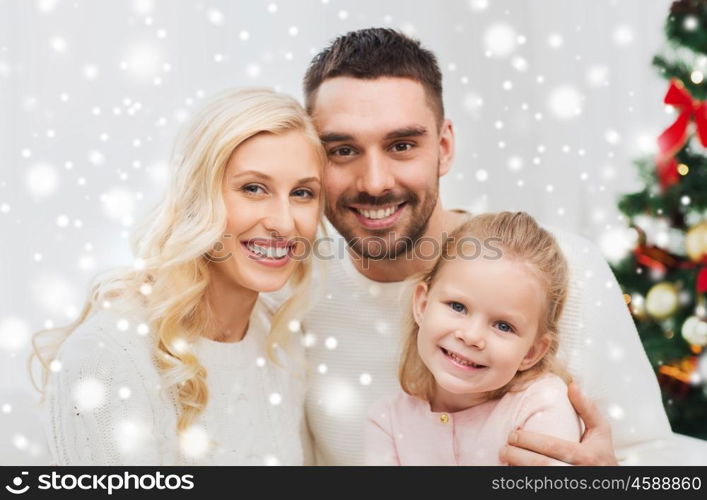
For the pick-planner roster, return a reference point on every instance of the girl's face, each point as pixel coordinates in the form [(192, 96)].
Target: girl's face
[(272, 192), (478, 326)]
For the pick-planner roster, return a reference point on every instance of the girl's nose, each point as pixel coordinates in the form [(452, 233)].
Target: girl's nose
[(471, 336)]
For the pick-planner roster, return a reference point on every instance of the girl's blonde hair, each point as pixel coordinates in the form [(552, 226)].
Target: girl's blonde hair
[(517, 236), (173, 244)]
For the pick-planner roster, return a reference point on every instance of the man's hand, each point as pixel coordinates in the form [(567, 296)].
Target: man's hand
[(594, 448)]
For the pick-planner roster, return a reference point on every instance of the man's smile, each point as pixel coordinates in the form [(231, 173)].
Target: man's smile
[(378, 217)]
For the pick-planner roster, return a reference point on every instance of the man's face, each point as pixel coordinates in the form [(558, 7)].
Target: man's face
[(386, 154)]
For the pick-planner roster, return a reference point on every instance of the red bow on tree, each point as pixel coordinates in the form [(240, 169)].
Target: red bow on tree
[(674, 137), (701, 281)]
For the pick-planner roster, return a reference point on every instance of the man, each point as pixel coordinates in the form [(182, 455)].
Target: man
[(376, 100)]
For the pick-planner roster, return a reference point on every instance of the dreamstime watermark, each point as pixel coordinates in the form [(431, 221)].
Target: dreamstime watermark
[(375, 248)]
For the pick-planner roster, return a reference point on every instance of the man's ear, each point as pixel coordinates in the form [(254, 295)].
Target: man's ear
[(446, 147), (419, 302), (536, 352)]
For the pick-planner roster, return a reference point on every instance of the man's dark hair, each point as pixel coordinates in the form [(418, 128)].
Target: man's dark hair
[(373, 53)]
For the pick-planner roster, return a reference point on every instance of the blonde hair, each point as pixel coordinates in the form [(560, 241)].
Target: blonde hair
[(174, 240), (518, 236)]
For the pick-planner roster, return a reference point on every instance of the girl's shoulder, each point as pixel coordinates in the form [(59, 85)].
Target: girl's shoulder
[(545, 390), (398, 403), (545, 383)]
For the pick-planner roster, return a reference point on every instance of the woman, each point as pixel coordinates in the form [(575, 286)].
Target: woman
[(180, 360)]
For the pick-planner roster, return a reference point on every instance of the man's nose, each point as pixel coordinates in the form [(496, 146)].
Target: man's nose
[(376, 177)]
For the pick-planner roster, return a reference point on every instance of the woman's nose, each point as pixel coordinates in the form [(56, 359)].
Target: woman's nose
[(279, 219)]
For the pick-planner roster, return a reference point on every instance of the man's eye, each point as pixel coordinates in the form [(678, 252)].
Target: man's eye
[(504, 327), (342, 151), (457, 307), (402, 147)]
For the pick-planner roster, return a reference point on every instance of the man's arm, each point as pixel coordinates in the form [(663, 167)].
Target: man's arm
[(595, 448), (602, 349)]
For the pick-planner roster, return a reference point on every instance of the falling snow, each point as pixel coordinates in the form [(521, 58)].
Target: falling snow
[(90, 154)]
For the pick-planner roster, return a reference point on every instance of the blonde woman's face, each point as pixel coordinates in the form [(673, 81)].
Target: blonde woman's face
[(478, 326), (272, 190)]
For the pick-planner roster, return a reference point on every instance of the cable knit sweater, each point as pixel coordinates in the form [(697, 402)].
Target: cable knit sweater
[(106, 405), (354, 340)]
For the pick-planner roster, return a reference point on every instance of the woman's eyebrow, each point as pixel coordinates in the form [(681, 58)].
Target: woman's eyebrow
[(254, 173), (309, 179), (266, 177)]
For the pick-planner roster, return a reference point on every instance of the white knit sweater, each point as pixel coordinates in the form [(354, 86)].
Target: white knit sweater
[(355, 337), (105, 406)]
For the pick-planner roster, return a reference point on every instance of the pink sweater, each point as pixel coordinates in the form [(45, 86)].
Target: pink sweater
[(403, 431)]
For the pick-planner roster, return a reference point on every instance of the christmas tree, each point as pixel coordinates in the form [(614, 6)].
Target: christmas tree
[(664, 277)]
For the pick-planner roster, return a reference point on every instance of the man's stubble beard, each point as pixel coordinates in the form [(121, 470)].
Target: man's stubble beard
[(378, 246)]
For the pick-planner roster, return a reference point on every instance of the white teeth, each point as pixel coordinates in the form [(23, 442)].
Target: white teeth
[(462, 361), (268, 252), (378, 214)]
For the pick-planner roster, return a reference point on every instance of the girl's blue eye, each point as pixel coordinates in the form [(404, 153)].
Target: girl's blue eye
[(457, 307), (504, 327)]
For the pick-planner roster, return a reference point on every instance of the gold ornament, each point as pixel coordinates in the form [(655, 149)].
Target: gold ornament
[(662, 300), (696, 242)]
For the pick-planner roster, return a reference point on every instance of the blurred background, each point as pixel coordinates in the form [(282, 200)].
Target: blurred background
[(552, 101)]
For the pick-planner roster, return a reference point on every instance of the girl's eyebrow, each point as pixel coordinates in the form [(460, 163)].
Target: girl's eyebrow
[(517, 318), (266, 177)]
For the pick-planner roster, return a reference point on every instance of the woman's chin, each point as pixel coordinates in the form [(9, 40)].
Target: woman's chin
[(270, 288), (267, 283)]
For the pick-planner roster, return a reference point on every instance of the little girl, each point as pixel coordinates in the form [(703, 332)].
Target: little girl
[(479, 358)]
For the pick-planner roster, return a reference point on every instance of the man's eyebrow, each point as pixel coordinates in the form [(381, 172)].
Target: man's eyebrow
[(411, 131), (335, 137)]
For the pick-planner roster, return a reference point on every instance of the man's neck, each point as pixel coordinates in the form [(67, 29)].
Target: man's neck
[(441, 223)]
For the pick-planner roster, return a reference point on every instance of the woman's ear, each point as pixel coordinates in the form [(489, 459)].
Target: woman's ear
[(419, 302), (536, 352)]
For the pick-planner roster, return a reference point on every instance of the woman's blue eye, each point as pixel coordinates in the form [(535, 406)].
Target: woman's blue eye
[(457, 307), (303, 193), (252, 188), (504, 327)]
